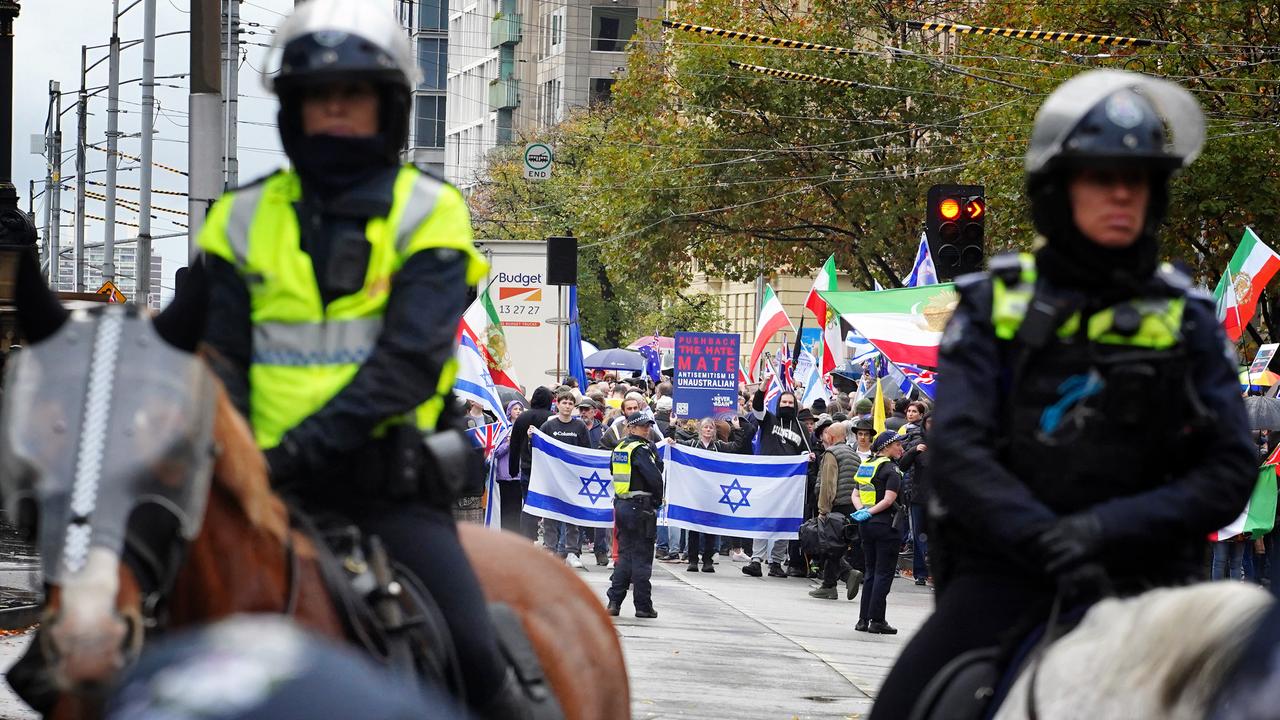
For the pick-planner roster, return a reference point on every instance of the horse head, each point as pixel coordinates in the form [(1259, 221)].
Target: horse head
[(106, 454)]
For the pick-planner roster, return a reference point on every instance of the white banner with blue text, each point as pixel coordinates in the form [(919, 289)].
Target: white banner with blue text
[(569, 483), (751, 496)]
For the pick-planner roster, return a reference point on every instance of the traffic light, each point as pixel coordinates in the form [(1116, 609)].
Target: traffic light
[(954, 227)]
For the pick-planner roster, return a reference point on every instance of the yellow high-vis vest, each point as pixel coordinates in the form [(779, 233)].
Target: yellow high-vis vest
[(620, 462), (304, 351), (866, 471)]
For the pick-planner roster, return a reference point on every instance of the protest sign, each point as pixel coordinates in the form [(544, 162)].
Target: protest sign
[(705, 383)]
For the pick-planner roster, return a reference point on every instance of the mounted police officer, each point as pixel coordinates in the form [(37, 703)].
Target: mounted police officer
[(637, 487), (335, 290), (1091, 423)]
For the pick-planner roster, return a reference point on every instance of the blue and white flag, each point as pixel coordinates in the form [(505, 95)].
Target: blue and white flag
[(474, 381), (755, 496), (860, 349), (922, 270), (814, 387), (569, 483)]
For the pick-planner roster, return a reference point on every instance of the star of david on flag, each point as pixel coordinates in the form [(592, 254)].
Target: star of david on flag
[(595, 479), (569, 483), (742, 495), (756, 496)]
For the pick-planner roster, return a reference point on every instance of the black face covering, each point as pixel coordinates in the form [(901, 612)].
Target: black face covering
[(1072, 260), (787, 413), (330, 164)]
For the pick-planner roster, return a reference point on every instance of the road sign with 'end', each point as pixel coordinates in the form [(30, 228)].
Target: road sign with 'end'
[(537, 161)]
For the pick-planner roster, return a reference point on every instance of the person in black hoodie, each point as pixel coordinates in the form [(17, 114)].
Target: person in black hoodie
[(915, 469), (781, 434), (521, 458)]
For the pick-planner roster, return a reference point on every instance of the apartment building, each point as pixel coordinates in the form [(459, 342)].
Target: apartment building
[(126, 273), (428, 21), (519, 65)]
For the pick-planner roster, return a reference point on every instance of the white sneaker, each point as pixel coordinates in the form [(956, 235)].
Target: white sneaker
[(572, 560), (739, 556), (610, 565)]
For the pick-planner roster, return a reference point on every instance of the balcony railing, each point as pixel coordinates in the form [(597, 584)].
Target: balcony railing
[(504, 93), (505, 30)]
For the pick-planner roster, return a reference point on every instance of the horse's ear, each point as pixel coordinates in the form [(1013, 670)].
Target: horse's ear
[(181, 324), (39, 312)]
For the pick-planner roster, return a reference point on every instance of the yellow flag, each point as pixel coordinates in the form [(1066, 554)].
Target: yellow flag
[(877, 410)]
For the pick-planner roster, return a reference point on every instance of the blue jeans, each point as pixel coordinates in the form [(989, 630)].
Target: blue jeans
[(921, 546), (562, 537), (1228, 561)]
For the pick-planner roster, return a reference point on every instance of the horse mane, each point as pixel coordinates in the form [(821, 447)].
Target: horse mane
[(1162, 654), (240, 470)]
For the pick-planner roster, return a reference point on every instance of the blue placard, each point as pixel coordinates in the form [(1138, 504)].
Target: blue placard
[(705, 383)]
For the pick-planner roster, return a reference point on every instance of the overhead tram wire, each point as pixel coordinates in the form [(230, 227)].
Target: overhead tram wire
[(1042, 35)]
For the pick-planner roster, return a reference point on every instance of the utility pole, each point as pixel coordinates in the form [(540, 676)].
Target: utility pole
[(204, 139), (142, 271), (231, 91), (82, 131), (113, 140), (17, 233), (53, 182)]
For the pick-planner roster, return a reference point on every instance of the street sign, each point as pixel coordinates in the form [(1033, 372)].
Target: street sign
[(112, 292), (537, 161)]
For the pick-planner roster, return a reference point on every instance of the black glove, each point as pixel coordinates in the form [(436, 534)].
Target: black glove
[(1084, 583), (1072, 541), (284, 463)]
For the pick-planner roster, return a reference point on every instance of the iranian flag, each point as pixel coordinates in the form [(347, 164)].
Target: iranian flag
[(832, 338), (481, 324), (1259, 514), (905, 324), (772, 319), (1249, 271)]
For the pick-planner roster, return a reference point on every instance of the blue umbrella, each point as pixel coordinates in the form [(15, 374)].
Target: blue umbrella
[(614, 359)]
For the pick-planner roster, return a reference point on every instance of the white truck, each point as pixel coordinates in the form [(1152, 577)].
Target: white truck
[(526, 307)]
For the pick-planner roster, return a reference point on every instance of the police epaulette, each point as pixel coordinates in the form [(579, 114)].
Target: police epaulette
[(970, 279), (1174, 277), (430, 172), (1007, 267)]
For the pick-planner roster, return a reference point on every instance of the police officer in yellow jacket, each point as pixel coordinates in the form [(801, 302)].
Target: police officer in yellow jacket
[(1089, 431), (335, 291), (637, 487)]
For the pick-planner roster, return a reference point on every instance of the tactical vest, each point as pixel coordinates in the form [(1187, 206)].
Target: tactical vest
[(1085, 404), (305, 351), (867, 471), (620, 463), (846, 467)]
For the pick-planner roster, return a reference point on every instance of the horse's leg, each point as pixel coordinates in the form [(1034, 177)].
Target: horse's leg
[(564, 620)]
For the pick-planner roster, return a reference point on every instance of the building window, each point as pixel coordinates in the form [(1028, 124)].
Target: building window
[(433, 59), (433, 14), (429, 129), (552, 33), (601, 89), (550, 100), (612, 28)]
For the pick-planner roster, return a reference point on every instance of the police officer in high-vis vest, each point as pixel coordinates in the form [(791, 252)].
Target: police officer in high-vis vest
[(335, 291), (637, 488), (1090, 430)]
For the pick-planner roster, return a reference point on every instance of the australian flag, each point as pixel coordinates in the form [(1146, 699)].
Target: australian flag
[(652, 359)]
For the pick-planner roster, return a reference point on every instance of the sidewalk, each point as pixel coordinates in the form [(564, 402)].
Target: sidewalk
[(726, 645)]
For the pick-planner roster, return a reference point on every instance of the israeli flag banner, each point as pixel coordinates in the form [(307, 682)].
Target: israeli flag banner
[(569, 483), (753, 496)]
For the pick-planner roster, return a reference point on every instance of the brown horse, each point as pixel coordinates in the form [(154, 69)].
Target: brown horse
[(246, 558)]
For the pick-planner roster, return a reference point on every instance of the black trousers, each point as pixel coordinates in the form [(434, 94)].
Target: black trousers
[(852, 553), (528, 523), (974, 611), (512, 504), (425, 540), (635, 558), (700, 543), (880, 549)]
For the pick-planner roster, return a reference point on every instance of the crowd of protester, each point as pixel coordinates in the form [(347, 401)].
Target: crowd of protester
[(838, 435)]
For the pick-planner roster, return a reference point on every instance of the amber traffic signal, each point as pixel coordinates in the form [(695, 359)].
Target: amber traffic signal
[(955, 228)]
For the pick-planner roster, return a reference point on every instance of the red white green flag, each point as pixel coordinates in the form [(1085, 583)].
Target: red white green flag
[(772, 318), (1251, 268), (905, 324), (1259, 516), (482, 325), (832, 339)]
